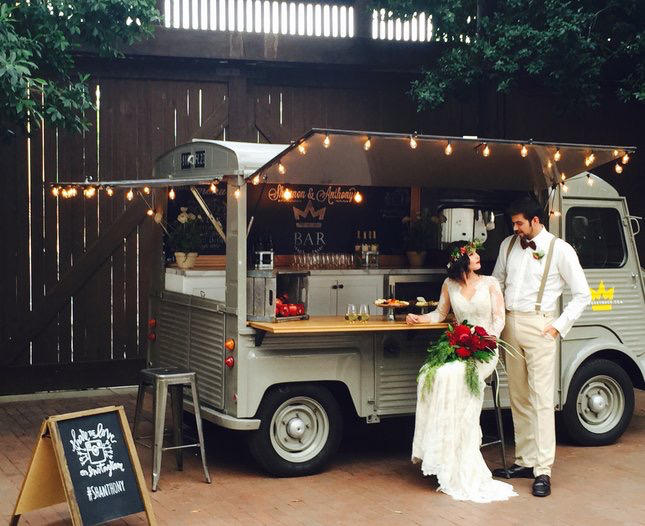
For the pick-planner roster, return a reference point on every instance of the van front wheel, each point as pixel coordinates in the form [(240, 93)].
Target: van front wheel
[(300, 431), (599, 404)]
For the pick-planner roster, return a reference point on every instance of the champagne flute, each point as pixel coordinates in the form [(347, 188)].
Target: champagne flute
[(363, 313), (350, 313)]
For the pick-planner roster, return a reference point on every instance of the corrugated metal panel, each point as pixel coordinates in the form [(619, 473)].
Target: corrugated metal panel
[(171, 347), (207, 336)]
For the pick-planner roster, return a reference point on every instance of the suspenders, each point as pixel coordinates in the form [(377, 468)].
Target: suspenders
[(547, 266)]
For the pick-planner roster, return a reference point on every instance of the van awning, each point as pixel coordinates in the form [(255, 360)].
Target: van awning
[(391, 161)]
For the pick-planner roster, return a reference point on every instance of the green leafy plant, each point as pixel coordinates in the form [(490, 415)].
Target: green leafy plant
[(186, 234), (39, 44), (421, 233)]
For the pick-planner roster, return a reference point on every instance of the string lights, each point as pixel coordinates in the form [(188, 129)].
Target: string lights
[(413, 142), (327, 141), (130, 195), (150, 212), (625, 158), (172, 194), (237, 193), (486, 150), (557, 155), (618, 168), (213, 187), (524, 151), (256, 179), (146, 190), (109, 191), (367, 144), (301, 148), (358, 197), (281, 169), (448, 149), (287, 195)]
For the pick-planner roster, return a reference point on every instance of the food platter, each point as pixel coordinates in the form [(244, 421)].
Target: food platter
[(389, 305)]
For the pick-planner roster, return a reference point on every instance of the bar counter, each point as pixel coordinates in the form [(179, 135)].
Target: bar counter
[(321, 324)]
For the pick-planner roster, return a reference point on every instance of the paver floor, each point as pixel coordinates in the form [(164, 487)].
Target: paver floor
[(371, 481)]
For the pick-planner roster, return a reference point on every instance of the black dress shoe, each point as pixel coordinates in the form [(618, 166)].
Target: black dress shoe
[(514, 472), (542, 486)]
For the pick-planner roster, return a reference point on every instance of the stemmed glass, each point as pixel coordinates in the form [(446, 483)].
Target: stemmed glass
[(363, 313), (350, 313)]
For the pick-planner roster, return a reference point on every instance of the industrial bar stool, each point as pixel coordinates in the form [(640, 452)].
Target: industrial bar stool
[(493, 381), (162, 380)]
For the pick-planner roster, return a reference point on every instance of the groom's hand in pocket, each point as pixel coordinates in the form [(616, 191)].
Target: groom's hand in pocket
[(550, 331)]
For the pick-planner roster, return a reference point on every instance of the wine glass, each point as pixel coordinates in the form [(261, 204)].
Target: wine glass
[(363, 313), (350, 313)]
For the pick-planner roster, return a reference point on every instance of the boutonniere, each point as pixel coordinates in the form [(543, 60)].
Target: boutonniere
[(538, 254)]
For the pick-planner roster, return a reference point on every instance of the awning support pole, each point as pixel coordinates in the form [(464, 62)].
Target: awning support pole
[(216, 224)]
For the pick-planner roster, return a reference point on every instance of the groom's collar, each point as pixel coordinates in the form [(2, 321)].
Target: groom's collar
[(542, 237)]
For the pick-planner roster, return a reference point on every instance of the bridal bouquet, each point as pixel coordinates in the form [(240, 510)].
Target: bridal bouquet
[(462, 342)]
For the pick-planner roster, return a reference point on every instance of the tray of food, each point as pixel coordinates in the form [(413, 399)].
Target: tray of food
[(391, 303)]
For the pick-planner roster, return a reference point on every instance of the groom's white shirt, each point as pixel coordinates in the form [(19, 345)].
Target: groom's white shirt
[(520, 278)]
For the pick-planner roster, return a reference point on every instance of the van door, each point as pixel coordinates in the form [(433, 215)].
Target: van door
[(600, 231)]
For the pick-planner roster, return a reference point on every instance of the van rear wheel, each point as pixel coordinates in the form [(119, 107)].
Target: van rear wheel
[(600, 403), (300, 431)]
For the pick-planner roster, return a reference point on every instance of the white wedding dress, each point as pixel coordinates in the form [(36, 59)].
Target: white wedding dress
[(447, 434)]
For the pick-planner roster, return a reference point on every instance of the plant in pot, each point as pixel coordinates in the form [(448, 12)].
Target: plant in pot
[(185, 238), (419, 238)]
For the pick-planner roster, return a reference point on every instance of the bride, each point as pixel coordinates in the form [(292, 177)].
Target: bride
[(447, 435)]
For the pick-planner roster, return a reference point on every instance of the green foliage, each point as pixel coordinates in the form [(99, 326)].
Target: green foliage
[(573, 49), (39, 41), (421, 233), (472, 378), (186, 234)]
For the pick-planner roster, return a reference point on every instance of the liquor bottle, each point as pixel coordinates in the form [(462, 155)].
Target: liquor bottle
[(357, 242), (374, 245), (365, 243)]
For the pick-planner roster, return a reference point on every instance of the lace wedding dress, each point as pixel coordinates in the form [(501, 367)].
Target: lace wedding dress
[(447, 435)]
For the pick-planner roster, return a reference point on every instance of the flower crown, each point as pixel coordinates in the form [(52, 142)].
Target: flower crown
[(463, 250)]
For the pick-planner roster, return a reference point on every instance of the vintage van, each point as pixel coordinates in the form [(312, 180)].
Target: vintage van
[(288, 385)]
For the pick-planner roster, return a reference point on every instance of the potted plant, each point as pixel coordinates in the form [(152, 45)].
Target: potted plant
[(419, 237), (185, 238)]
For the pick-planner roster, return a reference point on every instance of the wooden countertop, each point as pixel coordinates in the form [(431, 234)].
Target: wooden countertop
[(338, 324)]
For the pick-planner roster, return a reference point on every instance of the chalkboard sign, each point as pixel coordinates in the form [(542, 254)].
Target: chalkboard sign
[(98, 471)]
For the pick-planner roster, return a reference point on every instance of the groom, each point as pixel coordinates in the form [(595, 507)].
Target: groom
[(533, 267)]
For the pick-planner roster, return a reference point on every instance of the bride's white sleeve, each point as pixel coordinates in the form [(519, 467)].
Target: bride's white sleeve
[(442, 310), (499, 309)]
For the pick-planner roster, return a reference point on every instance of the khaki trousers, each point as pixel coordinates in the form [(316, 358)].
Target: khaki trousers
[(531, 380)]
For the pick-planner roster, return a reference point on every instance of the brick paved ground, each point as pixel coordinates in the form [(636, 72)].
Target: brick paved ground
[(371, 482)]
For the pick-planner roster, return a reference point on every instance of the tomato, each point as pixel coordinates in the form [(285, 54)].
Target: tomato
[(278, 301), (285, 310), (293, 309), (301, 309)]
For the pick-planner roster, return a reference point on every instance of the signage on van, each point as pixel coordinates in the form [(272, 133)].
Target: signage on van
[(602, 298)]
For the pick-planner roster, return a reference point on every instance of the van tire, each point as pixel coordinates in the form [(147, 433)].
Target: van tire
[(600, 404), (300, 431)]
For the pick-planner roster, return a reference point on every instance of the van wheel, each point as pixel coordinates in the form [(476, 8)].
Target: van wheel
[(599, 404), (300, 431)]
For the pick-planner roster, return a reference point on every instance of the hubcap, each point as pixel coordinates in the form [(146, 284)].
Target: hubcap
[(600, 404), (299, 429)]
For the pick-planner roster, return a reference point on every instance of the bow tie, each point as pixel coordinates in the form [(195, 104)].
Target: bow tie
[(526, 244)]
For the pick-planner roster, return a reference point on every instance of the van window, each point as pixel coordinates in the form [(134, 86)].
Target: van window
[(597, 236)]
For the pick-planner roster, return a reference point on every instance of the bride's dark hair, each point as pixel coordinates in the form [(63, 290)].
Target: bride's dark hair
[(458, 268)]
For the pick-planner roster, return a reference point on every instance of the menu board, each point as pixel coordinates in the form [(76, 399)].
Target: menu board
[(315, 219)]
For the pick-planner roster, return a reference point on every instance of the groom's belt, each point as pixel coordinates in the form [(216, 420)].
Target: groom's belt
[(529, 313)]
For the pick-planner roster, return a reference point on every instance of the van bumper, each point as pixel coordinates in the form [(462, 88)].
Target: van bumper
[(224, 420)]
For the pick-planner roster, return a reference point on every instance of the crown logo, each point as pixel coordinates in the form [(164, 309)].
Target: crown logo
[(606, 294), (309, 210)]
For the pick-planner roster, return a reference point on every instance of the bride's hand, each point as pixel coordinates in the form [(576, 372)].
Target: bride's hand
[(411, 319)]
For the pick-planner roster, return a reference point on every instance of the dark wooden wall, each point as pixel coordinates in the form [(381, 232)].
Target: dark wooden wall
[(73, 312)]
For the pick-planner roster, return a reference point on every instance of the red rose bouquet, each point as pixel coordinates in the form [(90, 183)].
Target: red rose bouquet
[(462, 342)]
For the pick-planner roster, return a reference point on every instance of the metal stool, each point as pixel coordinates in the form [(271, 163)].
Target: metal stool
[(163, 379), (493, 381)]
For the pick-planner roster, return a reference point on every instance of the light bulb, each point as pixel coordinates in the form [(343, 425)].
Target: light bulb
[(413, 143), (358, 197), (55, 191), (109, 191), (213, 187), (326, 142), (367, 144), (557, 155), (301, 148), (64, 193), (524, 151), (486, 150), (615, 152), (73, 192), (281, 169), (89, 192), (549, 164), (172, 193), (562, 176), (589, 181), (256, 180), (618, 168), (589, 159), (448, 149), (237, 193), (625, 158), (287, 194), (150, 212), (130, 195), (556, 213), (146, 189)]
